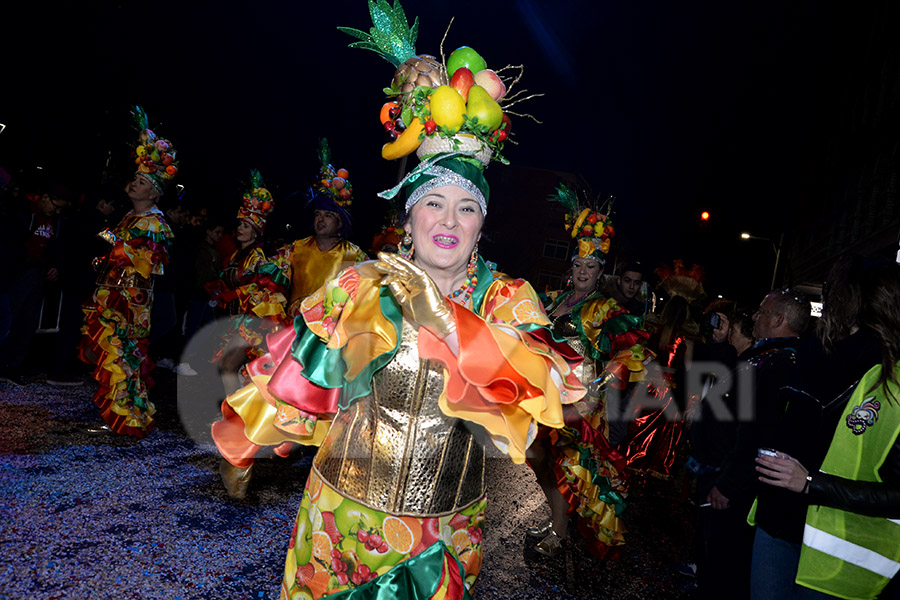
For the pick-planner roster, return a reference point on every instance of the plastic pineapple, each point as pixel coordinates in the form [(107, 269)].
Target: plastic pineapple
[(394, 40)]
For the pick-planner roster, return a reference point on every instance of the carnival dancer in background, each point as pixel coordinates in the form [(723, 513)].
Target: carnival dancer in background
[(578, 470), (117, 319), (311, 261), (250, 289)]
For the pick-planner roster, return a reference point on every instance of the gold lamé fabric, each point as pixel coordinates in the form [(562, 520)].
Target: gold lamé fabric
[(395, 451), (113, 276), (587, 370)]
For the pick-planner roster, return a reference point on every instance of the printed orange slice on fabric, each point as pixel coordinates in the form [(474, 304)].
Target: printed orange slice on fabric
[(400, 535), (461, 542), (315, 489), (527, 312), (471, 562), (322, 546)]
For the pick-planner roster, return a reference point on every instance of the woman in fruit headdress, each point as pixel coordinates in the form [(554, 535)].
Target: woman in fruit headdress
[(117, 319), (396, 369), (250, 289), (578, 470)]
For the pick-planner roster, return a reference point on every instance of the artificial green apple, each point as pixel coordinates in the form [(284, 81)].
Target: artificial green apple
[(465, 56)]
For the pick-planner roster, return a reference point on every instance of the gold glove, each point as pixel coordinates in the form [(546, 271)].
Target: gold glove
[(416, 293), (108, 236), (601, 384)]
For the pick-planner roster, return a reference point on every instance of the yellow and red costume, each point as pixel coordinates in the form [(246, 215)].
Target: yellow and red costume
[(251, 290), (397, 487), (589, 472), (117, 321)]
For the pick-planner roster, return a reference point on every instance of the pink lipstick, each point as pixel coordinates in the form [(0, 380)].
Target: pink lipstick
[(445, 241)]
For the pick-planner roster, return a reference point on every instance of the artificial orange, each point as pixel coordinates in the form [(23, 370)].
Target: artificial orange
[(385, 114)]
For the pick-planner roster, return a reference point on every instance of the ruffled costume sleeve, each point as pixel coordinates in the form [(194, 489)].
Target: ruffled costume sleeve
[(261, 289), (141, 244), (616, 338), (508, 376)]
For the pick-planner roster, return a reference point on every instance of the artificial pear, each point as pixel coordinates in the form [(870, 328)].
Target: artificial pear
[(484, 107)]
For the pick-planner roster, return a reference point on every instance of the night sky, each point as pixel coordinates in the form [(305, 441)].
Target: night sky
[(673, 107)]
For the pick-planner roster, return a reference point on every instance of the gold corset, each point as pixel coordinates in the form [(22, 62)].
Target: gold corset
[(563, 326), (113, 276), (395, 451)]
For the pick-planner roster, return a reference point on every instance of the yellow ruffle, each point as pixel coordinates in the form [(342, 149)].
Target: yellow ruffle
[(259, 412)]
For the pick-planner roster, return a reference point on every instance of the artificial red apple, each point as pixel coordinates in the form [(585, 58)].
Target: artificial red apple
[(491, 82), (462, 81), (506, 124)]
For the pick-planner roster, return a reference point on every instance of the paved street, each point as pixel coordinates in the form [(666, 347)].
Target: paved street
[(103, 516)]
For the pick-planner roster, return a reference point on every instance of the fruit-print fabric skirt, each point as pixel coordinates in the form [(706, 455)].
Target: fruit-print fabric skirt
[(343, 549)]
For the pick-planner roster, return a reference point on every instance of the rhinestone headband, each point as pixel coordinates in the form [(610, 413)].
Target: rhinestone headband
[(156, 185), (444, 176), (602, 261)]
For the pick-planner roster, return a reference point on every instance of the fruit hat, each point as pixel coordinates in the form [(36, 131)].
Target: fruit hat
[(332, 191), (435, 108), (592, 228), (257, 203), (388, 236), (453, 168), (154, 156), (678, 280)]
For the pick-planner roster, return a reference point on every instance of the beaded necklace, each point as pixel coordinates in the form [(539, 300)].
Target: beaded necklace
[(570, 304), (468, 285)]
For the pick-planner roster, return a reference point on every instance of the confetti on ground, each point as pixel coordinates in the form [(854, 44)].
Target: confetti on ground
[(103, 516)]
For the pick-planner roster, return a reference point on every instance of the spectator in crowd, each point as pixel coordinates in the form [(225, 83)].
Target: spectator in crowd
[(830, 365), (170, 293), (205, 267), (727, 539), (36, 266), (626, 292), (78, 277)]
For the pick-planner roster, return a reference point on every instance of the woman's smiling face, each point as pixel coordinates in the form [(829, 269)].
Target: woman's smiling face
[(585, 273), (445, 225)]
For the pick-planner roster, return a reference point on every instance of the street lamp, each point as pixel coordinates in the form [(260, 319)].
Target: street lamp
[(776, 247)]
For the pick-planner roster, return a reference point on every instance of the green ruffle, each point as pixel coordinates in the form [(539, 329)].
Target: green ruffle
[(276, 274), (485, 279), (606, 492), (164, 236), (326, 368)]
